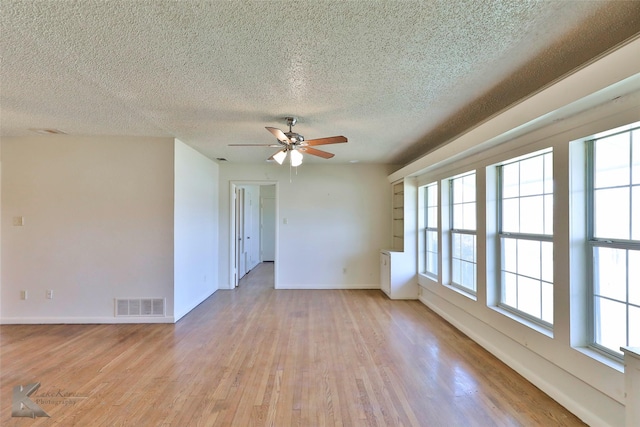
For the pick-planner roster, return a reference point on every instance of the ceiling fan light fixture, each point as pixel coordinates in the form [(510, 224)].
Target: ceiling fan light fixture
[(280, 156), (296, 158)]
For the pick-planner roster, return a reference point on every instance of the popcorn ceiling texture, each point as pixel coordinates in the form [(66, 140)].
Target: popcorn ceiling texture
[(397, 78)]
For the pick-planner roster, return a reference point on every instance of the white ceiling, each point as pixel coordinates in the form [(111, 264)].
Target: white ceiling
[(396, 78)]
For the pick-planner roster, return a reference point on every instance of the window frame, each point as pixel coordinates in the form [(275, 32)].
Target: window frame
[(517, 236), (462, 231), (593, 242), (429, 228)]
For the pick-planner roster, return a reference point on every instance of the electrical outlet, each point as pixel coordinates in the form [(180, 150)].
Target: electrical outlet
[(49, 293), (23, 295)]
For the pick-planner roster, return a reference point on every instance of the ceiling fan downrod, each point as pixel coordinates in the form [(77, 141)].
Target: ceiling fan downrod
[(294, 137)]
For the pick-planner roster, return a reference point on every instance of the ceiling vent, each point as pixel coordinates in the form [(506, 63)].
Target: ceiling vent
[(140, 307)]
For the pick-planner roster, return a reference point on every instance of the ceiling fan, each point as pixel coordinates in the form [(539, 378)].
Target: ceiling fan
[(294, 143)]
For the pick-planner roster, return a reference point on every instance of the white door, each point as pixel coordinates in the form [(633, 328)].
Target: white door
[(240, 264), (268, 229), (247, 224)]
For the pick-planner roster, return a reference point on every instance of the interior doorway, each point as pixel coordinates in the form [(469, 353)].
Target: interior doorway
[(253, 228)]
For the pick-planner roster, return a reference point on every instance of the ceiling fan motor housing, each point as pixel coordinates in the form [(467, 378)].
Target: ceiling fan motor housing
[(294, 137)]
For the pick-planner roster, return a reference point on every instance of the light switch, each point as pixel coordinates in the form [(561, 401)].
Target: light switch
[(18, 221)]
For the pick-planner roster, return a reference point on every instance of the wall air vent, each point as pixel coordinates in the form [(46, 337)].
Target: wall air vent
[(139, 307)]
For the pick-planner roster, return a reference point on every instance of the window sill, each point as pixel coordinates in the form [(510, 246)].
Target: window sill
[(532, 325), (424, 280), (426, 277), (461, 292), (609, 361)]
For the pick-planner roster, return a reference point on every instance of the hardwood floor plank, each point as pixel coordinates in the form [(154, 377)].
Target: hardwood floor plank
[(255, 356)]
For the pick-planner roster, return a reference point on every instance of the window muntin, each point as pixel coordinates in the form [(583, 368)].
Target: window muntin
[(431, 229), (463, 232), (526, 233), (614, 240)]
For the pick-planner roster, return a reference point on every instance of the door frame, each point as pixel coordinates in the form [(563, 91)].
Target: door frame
[(233, 270)]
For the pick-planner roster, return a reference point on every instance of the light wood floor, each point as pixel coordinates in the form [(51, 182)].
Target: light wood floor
[(257, 356)]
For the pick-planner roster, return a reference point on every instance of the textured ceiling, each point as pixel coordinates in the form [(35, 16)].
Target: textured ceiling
[(396, 78)]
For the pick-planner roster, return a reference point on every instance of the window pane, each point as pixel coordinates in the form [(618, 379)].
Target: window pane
[(610, 324), (548, 173), (634, 277), (510, 180), (432, 263), (511, 215), (469, 275), (548, 215), (509, 255), (432, 217), (432, 195), (456, 244), (531, 176), (529, 296), (635, 157), (468, 249), (510, 294), (531, 215), (547, 302), (456, 271), (457, 217), (635, 213), (464, 210), (432, 241), (612, 213), (456, 184), (547, 261), (634, 327), (469, 216), (610, 273), (612, 161), (529, 258), (469, 191)]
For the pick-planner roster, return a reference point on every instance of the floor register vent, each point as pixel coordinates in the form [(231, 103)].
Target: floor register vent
[(140, 307)]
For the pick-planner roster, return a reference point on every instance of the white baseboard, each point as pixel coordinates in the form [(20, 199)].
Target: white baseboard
[(84, 320), (329, 286)]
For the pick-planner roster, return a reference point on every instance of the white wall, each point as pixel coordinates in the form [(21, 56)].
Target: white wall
[(98, 225), (195, 229), (267, 222), (337, 221)]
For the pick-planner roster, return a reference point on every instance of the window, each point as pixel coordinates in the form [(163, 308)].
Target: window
[(614, 240), (526, 232), (431, 229), (463, 231)]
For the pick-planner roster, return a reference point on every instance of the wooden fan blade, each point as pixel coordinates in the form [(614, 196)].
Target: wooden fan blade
[(323, 141), (316, 152), (278, 134), (253, 145)]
